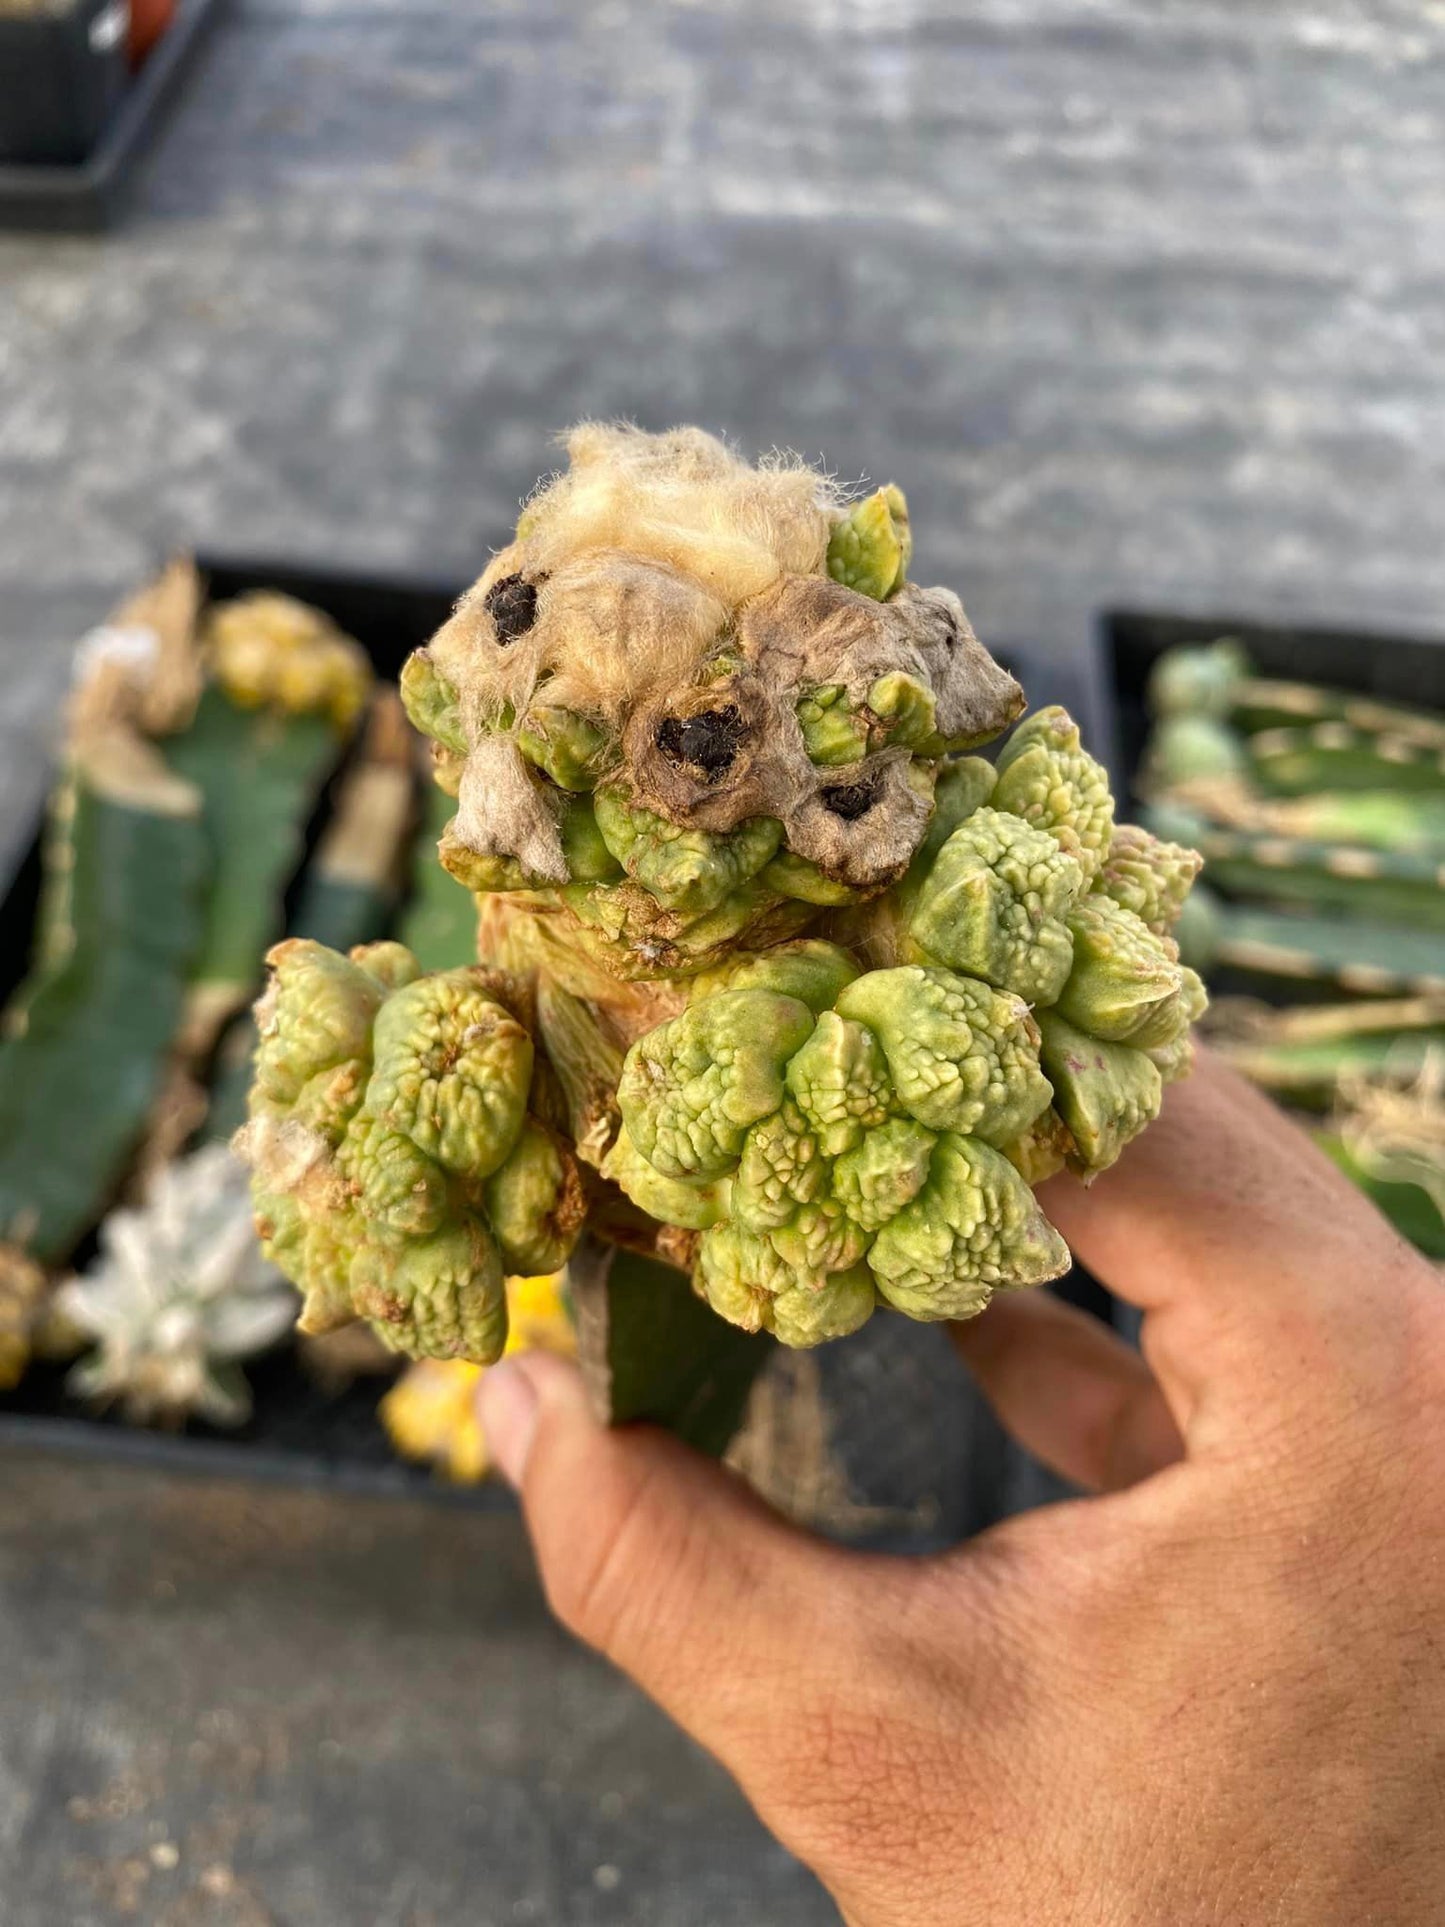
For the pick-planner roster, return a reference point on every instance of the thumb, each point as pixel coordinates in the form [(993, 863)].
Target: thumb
[(665, 1561)]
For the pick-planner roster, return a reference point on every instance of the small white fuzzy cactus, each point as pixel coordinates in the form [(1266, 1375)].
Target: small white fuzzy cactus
[(178, 1295)]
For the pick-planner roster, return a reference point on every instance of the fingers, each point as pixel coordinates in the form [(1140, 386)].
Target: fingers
[(1254, 1257), (665, 1562), (1069, 1390)]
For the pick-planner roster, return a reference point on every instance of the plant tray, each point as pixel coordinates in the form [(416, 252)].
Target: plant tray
[(86, 197), (300, 1434)]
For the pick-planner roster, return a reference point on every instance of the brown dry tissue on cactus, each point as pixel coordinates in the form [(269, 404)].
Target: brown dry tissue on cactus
[(777, 981)]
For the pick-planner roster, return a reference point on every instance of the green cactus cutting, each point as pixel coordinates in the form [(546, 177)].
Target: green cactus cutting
[(398, 1175), (778, 984)]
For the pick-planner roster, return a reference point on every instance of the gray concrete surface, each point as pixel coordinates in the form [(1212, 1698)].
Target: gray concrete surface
[(1141, 299), (245, 1707)]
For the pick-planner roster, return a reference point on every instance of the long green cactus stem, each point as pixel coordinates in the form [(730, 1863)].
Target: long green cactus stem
[(122, 913), (1218, 680), (812, 997), (285, 690)]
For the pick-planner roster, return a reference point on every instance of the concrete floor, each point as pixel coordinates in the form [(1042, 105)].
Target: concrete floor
[(1143, 302)]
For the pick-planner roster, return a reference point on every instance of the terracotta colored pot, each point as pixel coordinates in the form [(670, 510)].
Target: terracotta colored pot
[(148, 21)]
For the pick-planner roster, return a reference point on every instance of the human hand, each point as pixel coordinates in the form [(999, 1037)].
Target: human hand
[(1215, 1694)]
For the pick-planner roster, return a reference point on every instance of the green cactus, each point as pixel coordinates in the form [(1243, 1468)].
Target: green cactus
[(873, 1135), (1217, 680), (396, 1170), (1365, 959), (816, 999), (1335, 756), (870, 548), (1305, 1053)]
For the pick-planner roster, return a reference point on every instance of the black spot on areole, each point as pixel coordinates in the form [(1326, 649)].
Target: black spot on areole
[(710, 740), (850, 800), (511, 602)]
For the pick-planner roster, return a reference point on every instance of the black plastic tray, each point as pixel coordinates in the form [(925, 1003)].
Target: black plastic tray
[(85, 198), (297, 1433)]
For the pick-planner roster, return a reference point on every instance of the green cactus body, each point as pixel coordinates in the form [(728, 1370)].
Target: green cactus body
[(1217, 679), (259, 774), (1375, 886), (89, 1034), (1199, 679), (1189, 749), (1048, 778), (395, 1167), (1261, 704), (1334, 756), (817, 998), (870, 548), (1308, 1074), (347, 894), (1375, 960), (883, 1134)]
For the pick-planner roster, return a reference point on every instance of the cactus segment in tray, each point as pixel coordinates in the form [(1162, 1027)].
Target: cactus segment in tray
[(1217, 679), (86, 1042), (347, 893), (286, 689), (815, 997), (1306, 1052), (397, 1173), (1375, 885), (178, 1296)]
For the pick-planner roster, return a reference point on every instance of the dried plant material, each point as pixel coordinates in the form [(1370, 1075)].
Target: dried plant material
[(695, 700), (1394, 1131), (23, 1291)]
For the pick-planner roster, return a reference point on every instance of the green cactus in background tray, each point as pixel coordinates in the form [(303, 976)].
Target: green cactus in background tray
[(196, 747)]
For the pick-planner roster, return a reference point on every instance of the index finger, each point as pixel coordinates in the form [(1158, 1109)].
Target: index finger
[(1254, 1259)]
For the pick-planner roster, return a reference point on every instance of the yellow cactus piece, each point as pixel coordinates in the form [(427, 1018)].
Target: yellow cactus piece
[(270, 651), (22, 1295), (430, 1414)]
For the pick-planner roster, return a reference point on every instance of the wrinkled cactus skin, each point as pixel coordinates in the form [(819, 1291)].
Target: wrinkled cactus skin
[(882, 1149), (815, 996), (396, 1172)]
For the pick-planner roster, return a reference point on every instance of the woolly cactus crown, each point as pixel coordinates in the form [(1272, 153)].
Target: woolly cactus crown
[(695, 700)]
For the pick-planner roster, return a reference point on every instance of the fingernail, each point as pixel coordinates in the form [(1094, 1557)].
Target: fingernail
[(507, 1404)]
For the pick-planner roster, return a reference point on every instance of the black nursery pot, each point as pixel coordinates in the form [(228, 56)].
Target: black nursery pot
[(62, 75)]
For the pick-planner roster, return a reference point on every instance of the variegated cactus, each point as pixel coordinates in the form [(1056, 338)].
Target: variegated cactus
[(777, 981)]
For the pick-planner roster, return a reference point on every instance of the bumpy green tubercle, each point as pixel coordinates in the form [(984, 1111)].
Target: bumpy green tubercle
[(397, 1174), (889, 1136)]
